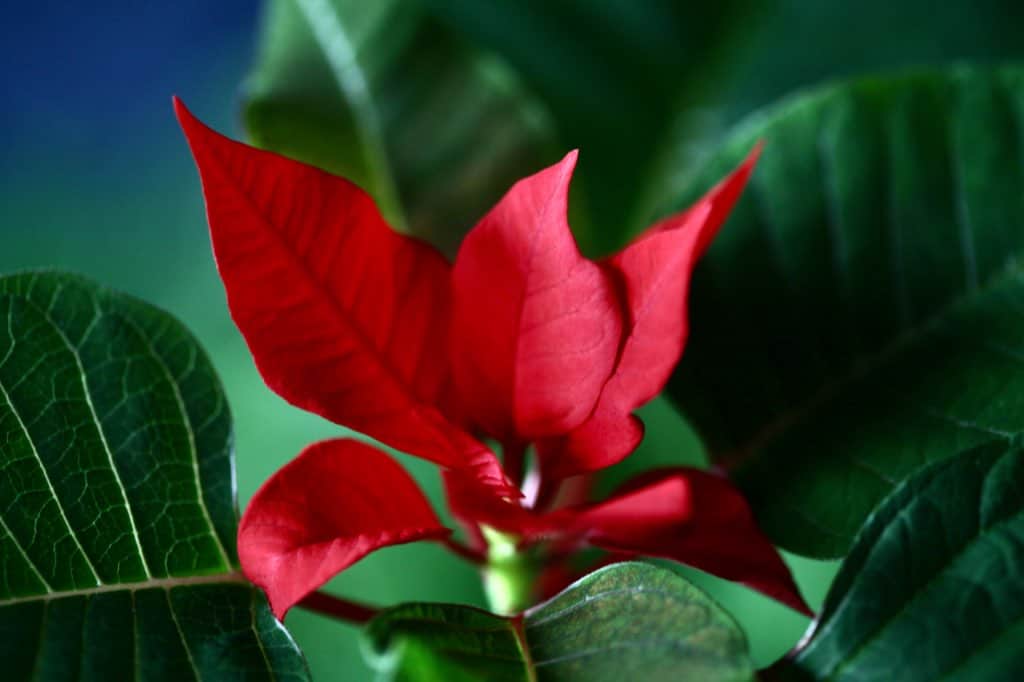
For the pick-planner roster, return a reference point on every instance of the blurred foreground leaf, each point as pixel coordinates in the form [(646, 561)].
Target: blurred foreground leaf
[(626, 621), (382, 94), (860, 314), (117, 511), (618, 77)]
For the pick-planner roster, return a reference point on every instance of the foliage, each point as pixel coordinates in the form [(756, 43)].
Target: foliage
[(117, 552), (853, 367)]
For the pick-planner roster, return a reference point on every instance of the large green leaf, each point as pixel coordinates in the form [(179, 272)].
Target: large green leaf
[(865, 37), (382, 94), (860, 313), (618, 77), (117, 512), (847, 39), (626, 621), (932, 587)]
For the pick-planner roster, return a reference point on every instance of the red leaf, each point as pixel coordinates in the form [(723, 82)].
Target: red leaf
[(474, 504), (332, 505), (705, 523), (637, 516), (537, 326), (653, 274), (606, 437), (344, 317), (694, 517)]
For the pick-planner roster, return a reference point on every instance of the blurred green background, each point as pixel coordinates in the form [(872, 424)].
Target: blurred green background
[(96, 178)]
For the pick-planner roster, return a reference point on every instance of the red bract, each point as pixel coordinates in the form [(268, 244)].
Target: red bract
[(523, 341), (536, 326), (316, 516)]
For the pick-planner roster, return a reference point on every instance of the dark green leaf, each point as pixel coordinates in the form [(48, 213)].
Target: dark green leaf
[(617, 77), (865, 37), (770, 59), (627, 621), (860, 313), (932, 587), (380, 93), (117, 511), (417, 641)]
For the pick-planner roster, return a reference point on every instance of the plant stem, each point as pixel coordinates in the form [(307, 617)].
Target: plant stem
[(510, 574), (338, 608)]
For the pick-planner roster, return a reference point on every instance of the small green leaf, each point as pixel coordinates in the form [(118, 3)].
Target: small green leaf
[(426, 642), (117, 510), (626, 621), (932, 587), (383, 95), (860, 314)]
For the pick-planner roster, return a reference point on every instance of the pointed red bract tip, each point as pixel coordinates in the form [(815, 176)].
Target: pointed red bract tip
[(186, 119), (714, 530), (653, 276), (536, 326), (724, 196), (332, 505), (344, 317)]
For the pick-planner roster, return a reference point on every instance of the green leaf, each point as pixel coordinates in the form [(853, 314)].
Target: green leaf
[(427, 642), (865, 37), (383, 95), (931, 589), (617, 78), (767, 58), (860, 314), (117, 510), (626, 621)]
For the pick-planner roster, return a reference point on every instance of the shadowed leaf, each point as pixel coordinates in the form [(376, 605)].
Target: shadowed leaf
[(384, 95), (936, 572), (860, 313)]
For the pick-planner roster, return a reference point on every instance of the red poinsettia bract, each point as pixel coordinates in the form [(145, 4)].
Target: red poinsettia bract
[(522, 340)]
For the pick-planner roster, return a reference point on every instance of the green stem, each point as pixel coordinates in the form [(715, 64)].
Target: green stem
[(509, 575)]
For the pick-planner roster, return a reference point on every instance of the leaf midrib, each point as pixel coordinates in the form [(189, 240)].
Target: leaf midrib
[(233, 578), (326, 27), (100, 429), (60, 506), (186, 422)]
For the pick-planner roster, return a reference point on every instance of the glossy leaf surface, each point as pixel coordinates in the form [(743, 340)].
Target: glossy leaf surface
[(626, 621), (117, 519), (936, 572), (386, 96), (859, 315)]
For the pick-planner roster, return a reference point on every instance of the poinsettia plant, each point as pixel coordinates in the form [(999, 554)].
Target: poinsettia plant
[(396, 252), (521, 342)]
